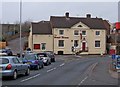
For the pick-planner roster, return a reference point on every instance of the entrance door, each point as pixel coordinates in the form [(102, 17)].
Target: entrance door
[(83, 46)]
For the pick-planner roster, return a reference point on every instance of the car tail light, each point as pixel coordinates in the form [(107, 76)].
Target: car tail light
[(36, 62), (9, 66)]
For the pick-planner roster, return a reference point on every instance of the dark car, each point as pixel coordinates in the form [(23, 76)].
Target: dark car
[(11, 66), (51, 55), (33, 60), (7, 51)]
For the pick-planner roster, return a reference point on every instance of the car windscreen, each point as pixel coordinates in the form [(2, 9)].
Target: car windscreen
[(4, 61), (30, 57), (42, 55)]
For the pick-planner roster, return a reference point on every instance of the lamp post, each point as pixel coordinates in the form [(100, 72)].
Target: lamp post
[(115, 40), (20, 27)]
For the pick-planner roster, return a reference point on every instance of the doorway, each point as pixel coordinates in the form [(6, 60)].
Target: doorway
[(83, 46)]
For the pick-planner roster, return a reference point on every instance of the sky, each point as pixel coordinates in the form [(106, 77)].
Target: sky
[(37, 10)]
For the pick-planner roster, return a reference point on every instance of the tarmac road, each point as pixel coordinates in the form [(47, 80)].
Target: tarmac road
[(70, 70)]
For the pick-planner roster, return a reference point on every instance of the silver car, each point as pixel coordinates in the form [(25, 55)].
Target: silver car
[(45, 58), (11, 66)]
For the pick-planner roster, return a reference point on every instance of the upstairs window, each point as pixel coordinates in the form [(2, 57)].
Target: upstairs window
[(76, 32), (97, 33), (84, 33), (61, 32)]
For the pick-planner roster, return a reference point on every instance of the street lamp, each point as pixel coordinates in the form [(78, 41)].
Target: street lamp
[(115, 40), (20, 27)]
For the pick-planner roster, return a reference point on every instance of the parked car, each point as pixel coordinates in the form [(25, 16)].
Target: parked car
[(33, 60), (2, 52), (118, 64), (7, 51), (11, 66), (46, 59), (51, 55)]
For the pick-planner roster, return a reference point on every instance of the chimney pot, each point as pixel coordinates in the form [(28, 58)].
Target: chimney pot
[(67, 14), (88, 15)]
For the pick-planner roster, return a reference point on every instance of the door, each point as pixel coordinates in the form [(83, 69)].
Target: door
[(83, 46)]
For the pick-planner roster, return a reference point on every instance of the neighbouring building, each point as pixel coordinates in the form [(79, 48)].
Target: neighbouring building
[(41, 37), (61, 34), (114, 39)]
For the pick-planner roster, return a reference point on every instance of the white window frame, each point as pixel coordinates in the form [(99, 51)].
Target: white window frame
[(77, 43), (95, 44), (42, 46), (77, 34), (63, 44), (96, 33), (85, 33), (59, 32)]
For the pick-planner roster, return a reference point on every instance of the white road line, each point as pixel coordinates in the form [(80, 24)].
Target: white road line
[(51, 69), (83, 80), (62, 64), (54, 68), (30, 78)]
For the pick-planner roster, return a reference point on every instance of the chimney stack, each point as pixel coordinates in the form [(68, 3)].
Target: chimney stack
[(88, 15), (67, 14)]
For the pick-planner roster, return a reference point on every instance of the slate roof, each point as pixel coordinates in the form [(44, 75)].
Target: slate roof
[(42, 27), (63, 22), (45, 27)]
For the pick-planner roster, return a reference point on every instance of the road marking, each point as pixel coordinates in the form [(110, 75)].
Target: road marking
[(51, 69), (77, 56), (83, 80), (30, 78), (62, 64), (54, 68)]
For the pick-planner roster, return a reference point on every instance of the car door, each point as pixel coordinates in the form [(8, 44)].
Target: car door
[(23, 66), (17, 65)]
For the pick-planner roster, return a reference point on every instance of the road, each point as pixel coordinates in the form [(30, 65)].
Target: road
[(15, 45), (70, 70)]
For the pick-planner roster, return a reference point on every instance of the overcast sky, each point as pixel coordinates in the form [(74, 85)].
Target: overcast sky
[(37, 11)]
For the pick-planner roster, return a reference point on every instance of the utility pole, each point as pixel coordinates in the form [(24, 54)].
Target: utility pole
[(20, 27)]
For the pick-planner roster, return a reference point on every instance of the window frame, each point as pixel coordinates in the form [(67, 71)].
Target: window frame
[(37, 48), (77, 43), (84, 34), (61, 33), (97, 33), (77, 33), (97, 43), (63, 44), (42, 46)]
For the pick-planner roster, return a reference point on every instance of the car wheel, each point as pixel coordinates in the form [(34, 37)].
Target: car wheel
[(53, 60), (38, 67), (27, 72), (14, 75)]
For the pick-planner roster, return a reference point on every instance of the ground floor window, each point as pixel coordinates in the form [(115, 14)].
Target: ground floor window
[(43, 46), (97, 43), (36, 46), (61, 43)]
